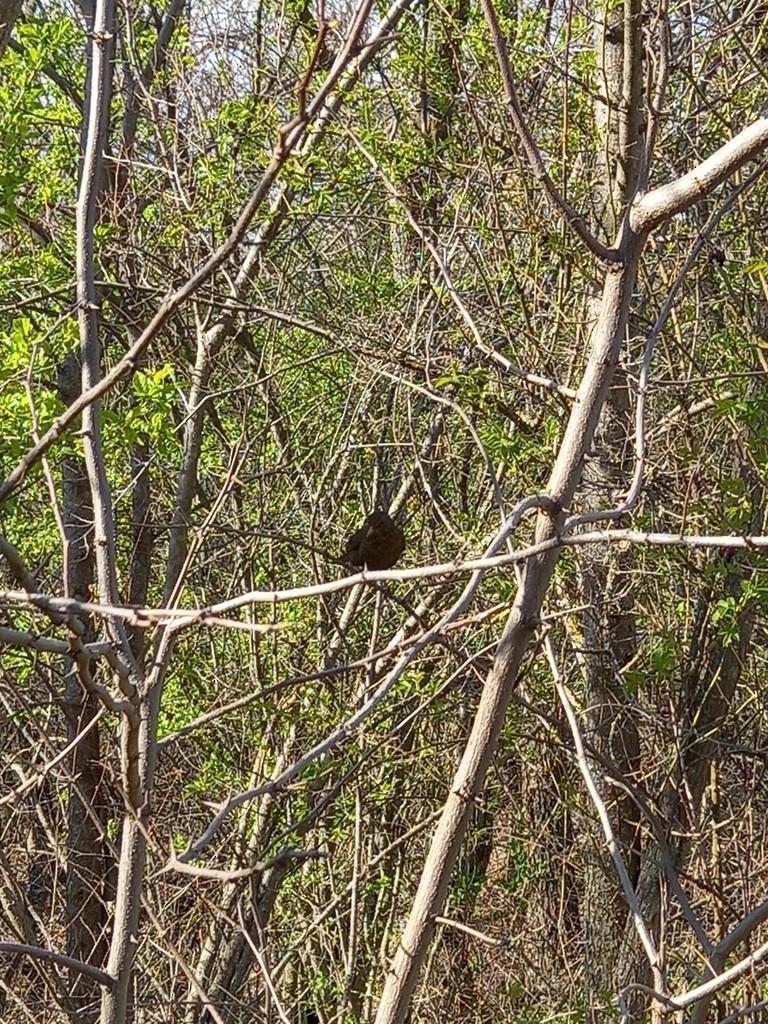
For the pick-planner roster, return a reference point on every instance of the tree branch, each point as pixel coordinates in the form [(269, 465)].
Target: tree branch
[(659, 205)]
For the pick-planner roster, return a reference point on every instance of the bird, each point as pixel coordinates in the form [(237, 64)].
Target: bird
[(377, 544)]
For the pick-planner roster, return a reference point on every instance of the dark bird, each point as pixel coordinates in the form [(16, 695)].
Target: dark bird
[(376, 545)]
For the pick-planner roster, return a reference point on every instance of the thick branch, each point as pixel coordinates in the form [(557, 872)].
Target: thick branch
[(522, 622), (658, 206), (59, 958)]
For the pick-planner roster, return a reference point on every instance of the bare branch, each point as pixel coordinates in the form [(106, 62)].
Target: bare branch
[(658, 206), (213, 616), (459, 926), (529, 147), (213, 875), (602, 812), (59, 958)]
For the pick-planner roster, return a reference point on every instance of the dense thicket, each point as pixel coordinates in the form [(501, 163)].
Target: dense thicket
[(267, 268)]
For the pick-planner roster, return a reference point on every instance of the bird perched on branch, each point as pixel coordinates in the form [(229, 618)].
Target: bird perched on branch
[(376, 545)]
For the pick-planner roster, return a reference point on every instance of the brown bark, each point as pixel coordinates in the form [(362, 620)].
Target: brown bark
[(86, 856), (9, 12)]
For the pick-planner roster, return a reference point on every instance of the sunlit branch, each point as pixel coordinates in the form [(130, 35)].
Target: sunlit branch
[(213, 615)]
